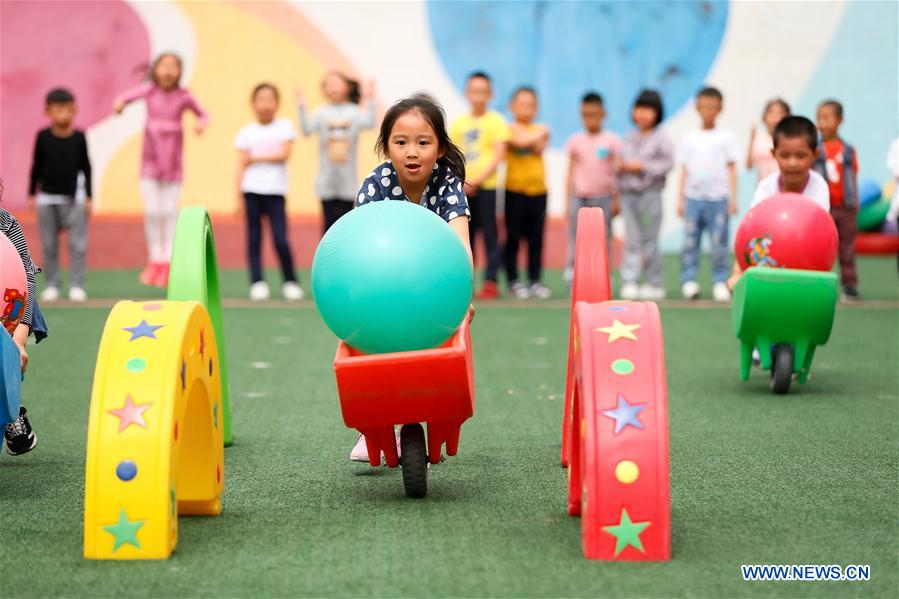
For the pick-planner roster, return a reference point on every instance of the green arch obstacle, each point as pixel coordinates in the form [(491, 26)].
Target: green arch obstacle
[(194, 276)]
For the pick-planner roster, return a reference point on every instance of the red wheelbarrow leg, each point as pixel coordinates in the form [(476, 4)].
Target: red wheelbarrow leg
[(623, 438), (590, 284), (440, 433), (381, 439)]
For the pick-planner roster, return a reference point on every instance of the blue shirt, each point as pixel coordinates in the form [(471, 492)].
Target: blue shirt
[(442, 195)]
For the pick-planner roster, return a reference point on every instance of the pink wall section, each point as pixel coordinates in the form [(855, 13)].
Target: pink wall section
[(91, 48)]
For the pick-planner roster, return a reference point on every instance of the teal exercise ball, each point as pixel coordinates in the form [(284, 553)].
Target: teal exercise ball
[(391, 276)]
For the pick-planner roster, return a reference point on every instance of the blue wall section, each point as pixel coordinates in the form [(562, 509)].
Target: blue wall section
[(567, 48), (867, 87)]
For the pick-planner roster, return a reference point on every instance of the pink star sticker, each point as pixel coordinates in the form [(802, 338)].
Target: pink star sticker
[(131, 413)]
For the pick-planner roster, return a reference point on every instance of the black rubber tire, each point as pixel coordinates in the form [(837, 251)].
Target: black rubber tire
[(414, 460), (782, 368)]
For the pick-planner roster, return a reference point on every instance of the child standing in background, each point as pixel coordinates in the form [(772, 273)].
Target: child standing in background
[(338, 124), (708, 193), (482, 136), (837, 162), (591, 177), (761, 143), (646, 156), (19, 436), (161, 170), (263, 148), (525, 194), (61, 172)]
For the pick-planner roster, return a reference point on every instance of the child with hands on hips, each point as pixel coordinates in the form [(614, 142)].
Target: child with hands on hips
[(423, 166)]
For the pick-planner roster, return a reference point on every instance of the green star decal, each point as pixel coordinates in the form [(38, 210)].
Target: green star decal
[(124, 531), (626, 533), (215, 415)]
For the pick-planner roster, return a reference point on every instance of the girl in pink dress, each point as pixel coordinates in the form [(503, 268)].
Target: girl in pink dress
[(761, 143), (160, 170)]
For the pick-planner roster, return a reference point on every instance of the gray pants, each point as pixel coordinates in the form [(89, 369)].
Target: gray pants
[(642, 220), (52, 220), (605, 203)]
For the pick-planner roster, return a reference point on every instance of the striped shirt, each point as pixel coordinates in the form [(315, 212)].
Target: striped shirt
[(9, 226)]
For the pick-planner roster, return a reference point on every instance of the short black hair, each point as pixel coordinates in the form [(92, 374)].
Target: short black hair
[(479, 75), (837, 107), (650, 98), (796, 126), (266, 85), (710, 92), (777, 102), (592, 98), (59, 95), (523, 89)]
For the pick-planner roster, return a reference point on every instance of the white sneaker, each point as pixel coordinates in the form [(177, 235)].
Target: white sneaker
[(651, 293), (568, 275), (690, 290), (520, 290), (50, 294), (720, 292), (360, 450), (540, 291), (77, 294), (292, 291), (259, 291), (629, 291)]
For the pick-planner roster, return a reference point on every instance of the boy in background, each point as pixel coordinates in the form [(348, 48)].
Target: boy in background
[(591, 174), (708, 193), (61, 178), (482, 136), (837, 162)]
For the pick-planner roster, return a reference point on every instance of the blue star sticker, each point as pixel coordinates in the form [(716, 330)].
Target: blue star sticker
[(143, 330), (625, 414)]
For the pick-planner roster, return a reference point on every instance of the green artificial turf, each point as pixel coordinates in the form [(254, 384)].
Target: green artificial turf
[(877, 281), (807, 478)]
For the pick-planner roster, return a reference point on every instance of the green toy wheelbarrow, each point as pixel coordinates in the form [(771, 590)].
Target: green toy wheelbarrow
[(785, 314)]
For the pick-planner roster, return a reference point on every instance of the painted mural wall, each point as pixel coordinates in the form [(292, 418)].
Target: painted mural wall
[(752, 51)]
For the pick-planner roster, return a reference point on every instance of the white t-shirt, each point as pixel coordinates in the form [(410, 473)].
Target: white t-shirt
[(268, 178), (816, 189), (706, 154)]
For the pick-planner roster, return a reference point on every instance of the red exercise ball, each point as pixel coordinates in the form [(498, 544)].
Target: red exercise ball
[(13, 285), (787, 230)]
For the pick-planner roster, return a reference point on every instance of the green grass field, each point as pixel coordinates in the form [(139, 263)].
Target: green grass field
[(809, 478)]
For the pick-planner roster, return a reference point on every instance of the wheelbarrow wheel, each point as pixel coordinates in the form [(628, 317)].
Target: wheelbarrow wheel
[(782, 368), (414, 460)]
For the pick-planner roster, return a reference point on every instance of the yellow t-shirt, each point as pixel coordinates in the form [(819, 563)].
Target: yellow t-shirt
[(477, 138), (525, 172)]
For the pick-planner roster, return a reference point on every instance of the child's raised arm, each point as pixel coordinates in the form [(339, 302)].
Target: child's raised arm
[(308, 125), (367, 110), (130, 95)]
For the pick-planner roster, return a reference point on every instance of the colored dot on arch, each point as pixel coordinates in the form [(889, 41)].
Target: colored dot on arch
[(152, 307), (136, 364), (627, 472), (126, 470), (622, 366)]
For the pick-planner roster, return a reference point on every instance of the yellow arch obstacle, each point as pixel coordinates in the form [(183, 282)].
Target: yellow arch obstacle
[(159, 414), (155, 446)]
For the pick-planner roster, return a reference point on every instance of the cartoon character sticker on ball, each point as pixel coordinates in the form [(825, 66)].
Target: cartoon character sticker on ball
[(14, 306), (758, 252)]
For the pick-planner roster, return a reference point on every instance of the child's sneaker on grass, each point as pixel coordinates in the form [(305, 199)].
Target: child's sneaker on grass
[(519, 290), (651, 293), (690, 290), (259, 291), (720, 292), (629, 291), (359, 452), (850, 295), (19, 436), (292, 291), (161, 278), (148, 276), (77, 294), (489, 291), (540, 291), (50, 294)]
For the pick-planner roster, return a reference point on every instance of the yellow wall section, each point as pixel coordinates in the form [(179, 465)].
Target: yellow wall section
[(236, 51)]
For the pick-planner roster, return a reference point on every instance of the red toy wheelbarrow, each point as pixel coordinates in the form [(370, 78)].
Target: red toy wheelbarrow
[(432, 386)]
